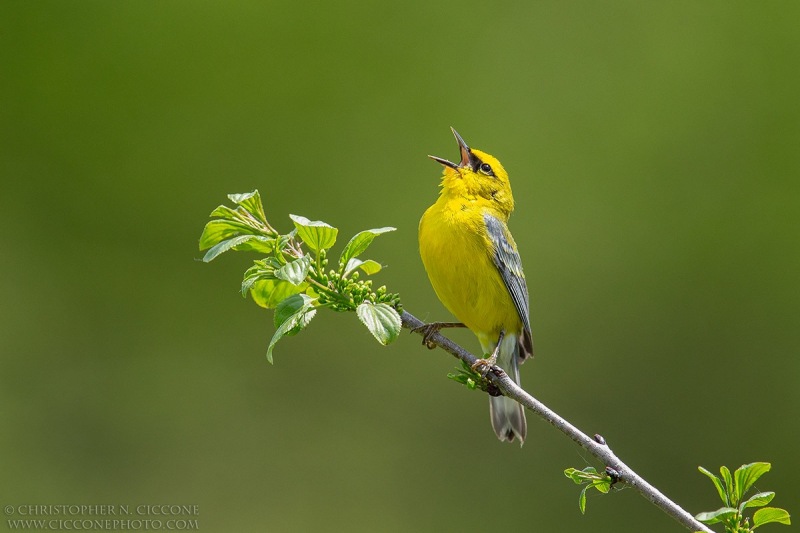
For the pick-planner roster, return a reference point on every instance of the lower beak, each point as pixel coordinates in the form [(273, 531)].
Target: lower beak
[(444, 162)]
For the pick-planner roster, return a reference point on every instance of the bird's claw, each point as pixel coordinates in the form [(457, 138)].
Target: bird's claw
[(484, 366), (429, 330)]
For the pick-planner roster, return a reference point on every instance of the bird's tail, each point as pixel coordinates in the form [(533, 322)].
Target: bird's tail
[(508, 417)]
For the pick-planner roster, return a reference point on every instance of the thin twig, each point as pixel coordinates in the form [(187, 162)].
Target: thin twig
[(599, 450)]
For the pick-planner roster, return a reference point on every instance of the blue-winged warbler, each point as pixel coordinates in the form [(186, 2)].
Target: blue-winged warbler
[(475, 269)]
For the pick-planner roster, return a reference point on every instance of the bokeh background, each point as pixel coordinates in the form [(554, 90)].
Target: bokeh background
[(654, 153)]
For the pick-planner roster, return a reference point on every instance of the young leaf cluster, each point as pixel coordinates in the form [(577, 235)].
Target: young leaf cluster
[(473, 380), (467, 377), (592, 479), (732, 489), (293, 276)]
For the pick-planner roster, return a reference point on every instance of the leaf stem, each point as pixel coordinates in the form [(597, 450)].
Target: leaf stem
[(328, 291), (319, 265)]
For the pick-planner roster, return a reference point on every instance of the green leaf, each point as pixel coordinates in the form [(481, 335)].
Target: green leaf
[(603, 485), (288, 307), (463, 379), (351, 265), (719, 515), (224, 246), (582, 499), (261, 269), (746, 475), (216, 231), (770, 514), (256, 243), (730, 487), (575, 475), (250, 243), (316, 234), (223, 211), (589, 475), (717, 483), (294, 272), (466, 376), (757, 500), (292, 305), (270, 292), (369, 266), (360, 242), (381, 320), (292, 322), (251, 202)]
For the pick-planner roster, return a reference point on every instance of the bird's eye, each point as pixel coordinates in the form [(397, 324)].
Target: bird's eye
[(486, 169)]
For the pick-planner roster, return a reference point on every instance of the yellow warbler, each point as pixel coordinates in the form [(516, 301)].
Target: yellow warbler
[(474, 267)]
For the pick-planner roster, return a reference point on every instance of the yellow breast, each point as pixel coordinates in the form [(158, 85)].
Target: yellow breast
[(458, 257)]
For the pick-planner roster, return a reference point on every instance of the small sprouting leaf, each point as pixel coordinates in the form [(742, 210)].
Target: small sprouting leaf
[(582, 499), (316, 234), (730, 488), (712, 517), (717, 483), (381, 320), (604, 485), (294, 272), (590, 477), (466, 376), (293, 322), (360, 242), (369, 266), (251, 202), (757, 500), (270, 292), (575, 475), (770, 514), (746, 475)]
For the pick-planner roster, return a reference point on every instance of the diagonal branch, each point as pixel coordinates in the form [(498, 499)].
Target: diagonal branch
[(596, 447)]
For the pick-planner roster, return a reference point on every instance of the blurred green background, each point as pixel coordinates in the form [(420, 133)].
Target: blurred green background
[(654, 153)]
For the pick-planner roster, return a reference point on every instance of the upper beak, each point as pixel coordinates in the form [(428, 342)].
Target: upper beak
[(468, 160)]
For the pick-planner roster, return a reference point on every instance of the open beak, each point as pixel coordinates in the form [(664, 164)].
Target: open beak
[(468, 160)]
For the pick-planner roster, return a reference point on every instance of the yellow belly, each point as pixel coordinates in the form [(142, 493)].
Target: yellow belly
[(458, 258)]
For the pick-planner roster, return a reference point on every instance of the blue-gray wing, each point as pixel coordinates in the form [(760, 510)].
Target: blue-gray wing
[(508, 263)]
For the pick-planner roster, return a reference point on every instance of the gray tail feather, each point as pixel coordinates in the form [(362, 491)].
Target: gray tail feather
[(508, 417)]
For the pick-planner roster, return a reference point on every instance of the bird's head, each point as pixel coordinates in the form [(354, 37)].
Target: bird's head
[(477, 176)]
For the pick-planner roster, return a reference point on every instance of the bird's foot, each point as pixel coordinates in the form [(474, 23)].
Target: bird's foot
[(483, 366), (428, 330)]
